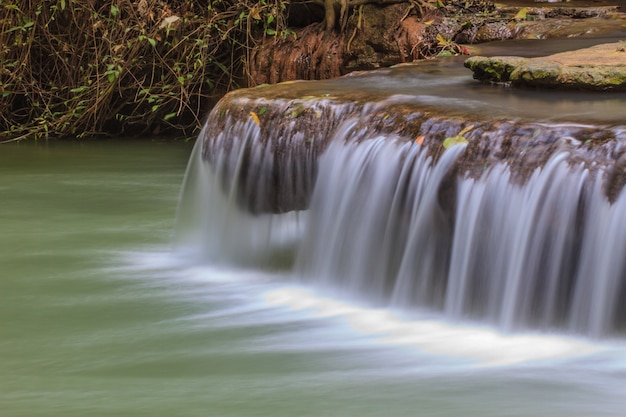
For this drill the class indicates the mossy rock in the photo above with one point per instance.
(495, 69)
(601, 67)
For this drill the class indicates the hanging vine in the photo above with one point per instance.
(91, 67)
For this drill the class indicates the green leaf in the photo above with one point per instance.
(454, 140)
(152, 42)
(262, 110)
(270, 32)
(111, 77)
(114, 10)
(288, 32)
(80, 89)
(169, 116)
(155, 108)
(62, 4)
(181, 80)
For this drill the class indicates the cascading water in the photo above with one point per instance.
(391, 225)
(211, 224)
(550, 253)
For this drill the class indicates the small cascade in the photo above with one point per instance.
(523, 227)
(387, 225)
(212, 224)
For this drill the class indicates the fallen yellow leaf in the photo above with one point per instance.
(254, 13)
(521, 15)
(256, 119)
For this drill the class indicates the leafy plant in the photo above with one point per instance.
(89, 67)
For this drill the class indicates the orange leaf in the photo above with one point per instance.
(419, 140)
(256, 119)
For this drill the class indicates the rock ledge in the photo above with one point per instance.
(601, 67)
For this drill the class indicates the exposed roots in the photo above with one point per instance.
(312, 54)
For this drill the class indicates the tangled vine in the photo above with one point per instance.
(91, 67)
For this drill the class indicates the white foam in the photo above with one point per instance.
(485, 347)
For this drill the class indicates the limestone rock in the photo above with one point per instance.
(601, 67)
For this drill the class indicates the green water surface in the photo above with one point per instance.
(98, 318)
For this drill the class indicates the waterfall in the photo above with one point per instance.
(391, 225)
(384, 226)
(212, 225)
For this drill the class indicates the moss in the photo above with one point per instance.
(496, 69)
(565, 70)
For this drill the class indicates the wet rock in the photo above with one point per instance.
(496, 69)
(494, 31)
(559, 11)
(281, 130)
(601, 67)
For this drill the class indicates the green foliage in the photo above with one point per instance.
(454, 140)
(458, 139)
(89, 67)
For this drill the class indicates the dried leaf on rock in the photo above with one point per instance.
(256, 119)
